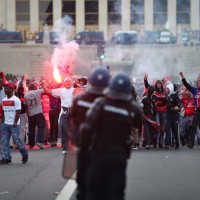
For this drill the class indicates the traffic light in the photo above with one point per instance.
(101, 52)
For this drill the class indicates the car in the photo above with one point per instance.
(11, 37)
(53, 37)
(185, 37)
(149, 37)
(166, 37)
(90, 38)
(124, 37)
(191, 37)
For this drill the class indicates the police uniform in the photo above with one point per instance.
(81, 103)
(106, 132)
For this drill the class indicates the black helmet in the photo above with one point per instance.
(119, 87)
(98, 80)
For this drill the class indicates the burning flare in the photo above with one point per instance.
(56, 74)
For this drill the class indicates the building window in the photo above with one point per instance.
(22, 12)
(69, 9)
(137, 12)
(160, 12)
(114, 11)
(91, 12)
(183, 11)
(46, 12)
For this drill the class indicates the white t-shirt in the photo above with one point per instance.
(66, 97)
(9, 107)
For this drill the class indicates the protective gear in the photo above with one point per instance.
(119, 87)
(81, 103)
(109, 145)
(98, 79)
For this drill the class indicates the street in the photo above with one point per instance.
(39, 179)
(152, 174)
(164, 174)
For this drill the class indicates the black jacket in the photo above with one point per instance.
(81, 103)
(174, 101)
(149, 107)
(109, 123)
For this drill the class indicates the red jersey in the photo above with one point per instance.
(188, 104)
(160, 99)
(45, 103)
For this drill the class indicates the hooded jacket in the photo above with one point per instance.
(149, 108)
(173, 101)
(160, 96)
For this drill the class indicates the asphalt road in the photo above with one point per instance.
(39, 179)
(151, 175)
(164, 174)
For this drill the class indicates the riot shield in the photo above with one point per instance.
(69, 164)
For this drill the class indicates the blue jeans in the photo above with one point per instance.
(172, 128)
(64, 127)
(1, 152)
(6, 132)
(161, 119)
(185, 122)
(194, 125)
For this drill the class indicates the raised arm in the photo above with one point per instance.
(44, 87)
(185, 83)
(146, 84)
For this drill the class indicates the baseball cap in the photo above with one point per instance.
(10, 84)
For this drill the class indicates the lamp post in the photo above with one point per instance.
(101, 53)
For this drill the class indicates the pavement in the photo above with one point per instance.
(151, 175)
(157, 174)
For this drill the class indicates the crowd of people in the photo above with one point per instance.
(104, 117)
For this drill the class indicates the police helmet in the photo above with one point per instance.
(98, 80)
(119, 87)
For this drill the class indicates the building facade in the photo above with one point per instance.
(105, 15)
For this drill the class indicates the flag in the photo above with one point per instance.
(153, 123)
(3, 77)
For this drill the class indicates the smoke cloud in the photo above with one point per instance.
(65, 54)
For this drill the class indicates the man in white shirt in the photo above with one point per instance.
(12, 108)
(66, 97)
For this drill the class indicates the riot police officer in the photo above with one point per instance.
(98, 80)
(106, 131)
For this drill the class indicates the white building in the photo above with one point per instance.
(106, 15)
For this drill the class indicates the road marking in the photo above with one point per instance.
(67, 192)
(5, 192)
